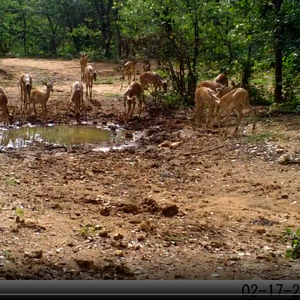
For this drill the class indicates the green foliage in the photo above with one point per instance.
(88, 230)
(171, 100)
(294, 252)
(11, 181)
(199, 37)
(258, 138)
(19, 212)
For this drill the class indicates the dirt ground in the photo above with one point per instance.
(184, 204)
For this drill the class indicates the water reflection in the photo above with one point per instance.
(61, 134)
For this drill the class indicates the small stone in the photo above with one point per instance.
(103, 233)
(84, 264)
(119, 253)
(118, 236)
(170, 210)
(145, 226)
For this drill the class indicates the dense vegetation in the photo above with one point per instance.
(257, 41)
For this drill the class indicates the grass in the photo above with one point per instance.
(19, 212)
(262, 137)
(107, 80)
(11, 181)
(112, 95)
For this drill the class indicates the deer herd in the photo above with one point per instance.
(215, 94)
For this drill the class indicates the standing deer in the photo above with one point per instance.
(26, 87)
(132, 93)
(83, 64)
(90, 75)
(77, 99)
(128, 69)
(41, 97)
(8, 118)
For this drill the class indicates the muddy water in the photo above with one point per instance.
(63, 135)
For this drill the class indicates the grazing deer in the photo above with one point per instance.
(41, 97)
(152, 78)
(83, 64)
(128, 69)
(203, 95)
(26, 87)
(238, 100)
(8, 118)
(77, 99)
(132, 93)
(90, 75)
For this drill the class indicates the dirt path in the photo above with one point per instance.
(207, 209)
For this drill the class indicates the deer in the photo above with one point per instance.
(152, 78)
(8, 118)
(222, 78)
(128, 69)
(202, 97)
(83, 63)
(238, 100)
(38, 96)
(132, 93)
(76, 99)
(26, 87)
(90, 75)
(146, 65)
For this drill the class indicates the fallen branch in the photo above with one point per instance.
(203, 151)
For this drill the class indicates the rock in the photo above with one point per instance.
(103, 233)
(261, 231)
(284, 159)
(170, 210)
(118, 236)
(119, 253)
(175, 145)
(34, 254)
(141, 238)
(165, 144)
(145, 225)
(84, 264)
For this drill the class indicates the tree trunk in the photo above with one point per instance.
(278, 54)
(118, 33)
(104, 15)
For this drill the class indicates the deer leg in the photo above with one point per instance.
(69, 105)
(239, 111)
(91, 90)
(133, 107)
(199, 114)
(125, 112)
(34, 108)
(253, 116)
(129, 108)
(86, 90)
(210, 110)
(44, 112)
(83, 105)
(140, 106)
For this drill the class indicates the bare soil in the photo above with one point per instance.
(203, 208)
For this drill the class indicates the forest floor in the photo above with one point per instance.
(203, 208)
